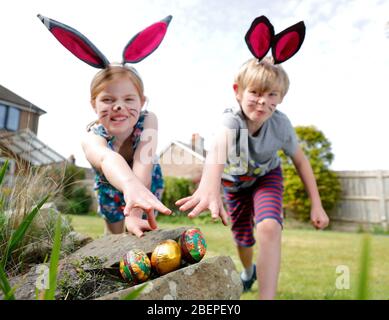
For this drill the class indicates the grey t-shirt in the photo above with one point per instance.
(250, 157)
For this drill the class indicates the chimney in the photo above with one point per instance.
(197, 144)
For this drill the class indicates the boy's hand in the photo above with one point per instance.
(202, 200)
(319, 218)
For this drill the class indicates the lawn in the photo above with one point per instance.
(309, 258)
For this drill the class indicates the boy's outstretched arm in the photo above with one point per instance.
(207, 195)
(319, 218)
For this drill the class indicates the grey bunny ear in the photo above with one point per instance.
(76, 43)
(145, 42)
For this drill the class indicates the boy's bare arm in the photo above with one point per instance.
(207, 196)
(319, 217)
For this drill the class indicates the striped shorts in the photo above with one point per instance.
(249, 206)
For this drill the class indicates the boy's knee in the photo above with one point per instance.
(268, 229)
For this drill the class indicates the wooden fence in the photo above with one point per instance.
(365, 197)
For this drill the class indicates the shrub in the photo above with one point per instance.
(318, 151)
(175, 189)
(74, 198)
(31, 184)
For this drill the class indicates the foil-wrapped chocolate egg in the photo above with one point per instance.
(135, 266)
(193, 245)
(166, 257)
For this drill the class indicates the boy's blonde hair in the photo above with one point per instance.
(111, 73)
(262, 76)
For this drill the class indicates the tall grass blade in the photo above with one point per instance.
(363, 293)
(134, 294)
(54, 258)
(5, 286)
(3, 171)
(21, 230)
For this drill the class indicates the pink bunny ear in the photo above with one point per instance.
(145, 42)
(288, 42)
(76, 43)
(260, 36)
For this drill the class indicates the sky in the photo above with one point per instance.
(338, 78)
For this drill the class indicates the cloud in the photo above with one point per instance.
(338, 78)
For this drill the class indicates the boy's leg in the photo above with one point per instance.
(267, 199)
(269, 258)
(246, 256)
(240, 210)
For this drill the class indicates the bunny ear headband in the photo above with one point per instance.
(260, 38)
(139, 47)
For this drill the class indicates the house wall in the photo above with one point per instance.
(177, 162)
(29, 120)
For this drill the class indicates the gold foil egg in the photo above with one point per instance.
(166, 257)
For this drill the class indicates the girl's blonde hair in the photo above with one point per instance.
(111, 73)
(262, 76)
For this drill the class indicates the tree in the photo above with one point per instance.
(318, 151)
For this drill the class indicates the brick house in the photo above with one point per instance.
(179, 159)
(19, 120)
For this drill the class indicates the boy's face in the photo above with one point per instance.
(118, 106)
(258, 106)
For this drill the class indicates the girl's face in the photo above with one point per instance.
(118, 107)
(257, 106)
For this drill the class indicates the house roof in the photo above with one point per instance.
(185, 147)
(26, 145)
(10, 97)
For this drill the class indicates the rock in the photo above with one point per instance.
(36, 252)
(75, 241)
(211, 279)
(93, 272)
(112, 247)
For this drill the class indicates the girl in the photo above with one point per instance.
(121, 144)
(252, 180)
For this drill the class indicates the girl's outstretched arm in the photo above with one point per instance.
(319, 218)
(142, 167)
(207, 195)
(120, 175)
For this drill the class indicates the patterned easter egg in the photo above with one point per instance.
(166, 257)
(135, 266)
(193, 245)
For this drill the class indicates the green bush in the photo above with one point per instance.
(30, 185)
(318, 151)
(175, 189)
(74, 198)
(79, 201)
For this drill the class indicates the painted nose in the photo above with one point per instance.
(260, 100)
(117, 108)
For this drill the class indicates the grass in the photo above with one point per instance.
(309, 258)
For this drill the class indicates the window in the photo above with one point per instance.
(3, 115)
(9, 118)
(13, 119)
